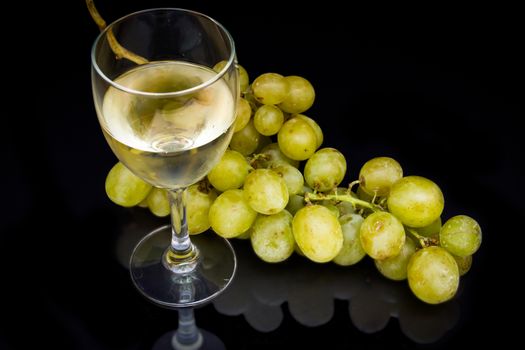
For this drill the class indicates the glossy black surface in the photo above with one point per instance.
(435, 88)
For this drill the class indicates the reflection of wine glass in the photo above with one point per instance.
(188, 336)
(169, 120)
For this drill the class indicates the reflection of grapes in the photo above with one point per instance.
(261, 290)
(425, 323)
(262, 184)
(369, 312)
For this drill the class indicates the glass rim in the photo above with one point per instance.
(193, 89)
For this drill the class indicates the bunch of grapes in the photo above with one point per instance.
(257, 191)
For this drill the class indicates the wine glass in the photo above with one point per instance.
(168, 117)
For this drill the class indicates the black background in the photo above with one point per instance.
(437, 88)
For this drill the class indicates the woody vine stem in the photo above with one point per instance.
(120, 52)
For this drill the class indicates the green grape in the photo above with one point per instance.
(395, 268)
(199, 199)
(352, 251)
(433, 275)
(317, 129)
(464, 263)
(379, 174)
(219, 66)
(416, 201)
(230, 172)
(263, 142)
(265, 191)
(300, 97)
(244, 80)
(158, 202)
(307, 189)
(231, 215)
(333, 209)
(431, 230)
(343, 206)
(144, 203)
(246, 141)
(268, 120)
(292, 177)
(245, 235)
(460, 235)
(382, 235)
(297, 139)
(272, 238)
(244, 112)
(325, 169)
(295, 203)
(270, 88)
(274, 156)
(125, 188)
(317, 233)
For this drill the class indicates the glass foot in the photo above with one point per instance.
(214, 272)
(206, 341)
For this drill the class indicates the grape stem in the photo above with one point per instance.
(352, 184)
(423, 241)
(120, 52)
(342, 197)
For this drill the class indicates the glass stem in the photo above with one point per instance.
(180, 238)
(181, 256)
(187, 335)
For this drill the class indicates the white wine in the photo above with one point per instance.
(170, 142)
